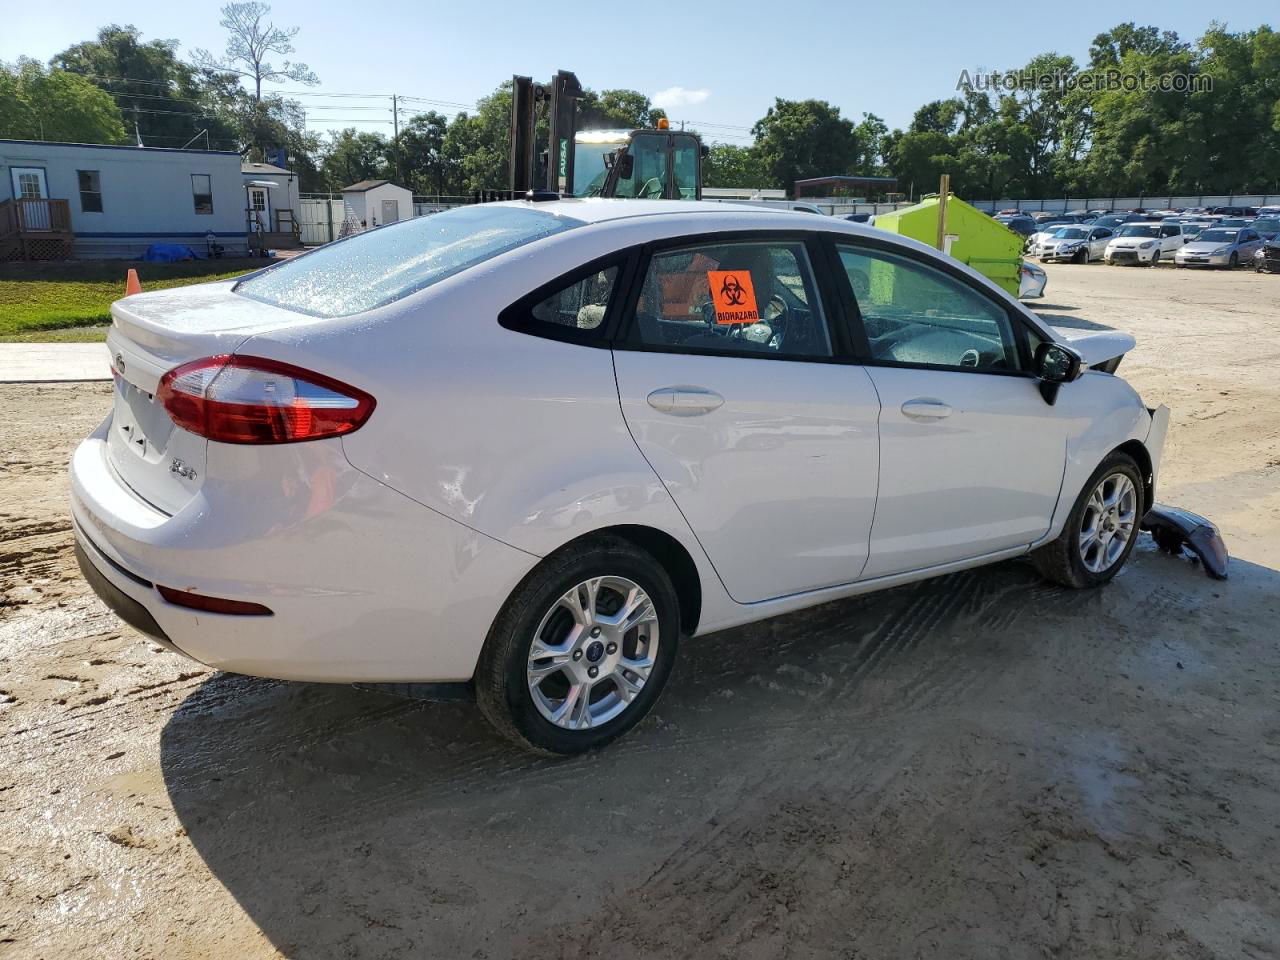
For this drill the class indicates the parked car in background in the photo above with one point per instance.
(1193, 228)
(1031, 280)
(1267, 259)
(276, 493)
(1113, 220)
(1234, 211)
(1220, 246)
(1020, 224)
(1078, 243)
(858, 217)
(1145, 243)
(1268, 227)
(1235, 221)
(1045, 228)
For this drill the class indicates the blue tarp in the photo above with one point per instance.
(168, 253)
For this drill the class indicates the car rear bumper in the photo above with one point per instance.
(363, 583)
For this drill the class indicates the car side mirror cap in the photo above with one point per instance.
(1055, 364)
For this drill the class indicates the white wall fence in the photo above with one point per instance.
(1128, 203)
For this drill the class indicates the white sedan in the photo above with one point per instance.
(531, 445)
(1077, 244)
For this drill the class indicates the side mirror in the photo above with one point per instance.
(626, 165)
(1055, 364)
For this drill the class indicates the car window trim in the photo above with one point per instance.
(518, 315)
(1021, 329)
(841, 349)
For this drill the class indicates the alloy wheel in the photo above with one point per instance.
(1110, 519)
(593, 652)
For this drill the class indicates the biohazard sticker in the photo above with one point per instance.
(733, 296)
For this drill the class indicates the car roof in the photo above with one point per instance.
(601, 209)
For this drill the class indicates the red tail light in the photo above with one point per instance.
(234, 399)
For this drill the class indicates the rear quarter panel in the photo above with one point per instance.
(518, 437)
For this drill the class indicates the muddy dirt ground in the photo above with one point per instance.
(977, 766)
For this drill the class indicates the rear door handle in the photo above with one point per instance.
(926, 408)
(685, 401)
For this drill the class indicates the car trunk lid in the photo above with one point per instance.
(152, 333)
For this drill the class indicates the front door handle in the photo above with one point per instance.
(685, 401)
(926, 408)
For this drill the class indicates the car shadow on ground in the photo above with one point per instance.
(348, 822)
(1064, 320)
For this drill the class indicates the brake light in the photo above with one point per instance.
(235, 399)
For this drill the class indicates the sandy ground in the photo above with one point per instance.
(977, 766)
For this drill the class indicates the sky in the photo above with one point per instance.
(716, 66)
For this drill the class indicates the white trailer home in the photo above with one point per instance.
(89, 200)
(377, 202)
(272, 203)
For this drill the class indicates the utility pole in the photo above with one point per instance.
(395, 141)
(944, 189)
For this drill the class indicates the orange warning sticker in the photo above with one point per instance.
(733, 296)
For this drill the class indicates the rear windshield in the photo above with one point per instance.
(375, 268)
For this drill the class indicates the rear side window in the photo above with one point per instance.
(371, 269)
(579, 306)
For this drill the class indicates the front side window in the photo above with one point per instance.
(371, 269)
(202, 192)
(648, 169)
(918, 315)
(90, 191)
(750, 298)
(578, 306)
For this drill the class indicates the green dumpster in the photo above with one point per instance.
(986, 246)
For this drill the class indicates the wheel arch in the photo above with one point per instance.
(669, 552)
(1138, 451)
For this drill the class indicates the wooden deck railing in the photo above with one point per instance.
(42, 216)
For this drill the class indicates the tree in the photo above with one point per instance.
(628, 109)
(160, 97)
(797, 139)
(36, 104)
(426, 169)
(252, 40)
(350, 157)
(729, 165)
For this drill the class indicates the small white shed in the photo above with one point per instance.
(375, 202)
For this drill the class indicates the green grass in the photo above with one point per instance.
(72, 301)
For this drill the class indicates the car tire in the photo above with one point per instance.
(1155, 259)
(1233, 261)
(1074, 561)
(545, 714)
(1081, 257)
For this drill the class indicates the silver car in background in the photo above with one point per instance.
(1079, 244)
(1220, 247)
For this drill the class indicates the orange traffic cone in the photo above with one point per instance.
(131, 284)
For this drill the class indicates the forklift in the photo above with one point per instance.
(657, 164)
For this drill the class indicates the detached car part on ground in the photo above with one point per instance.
(532, 445)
